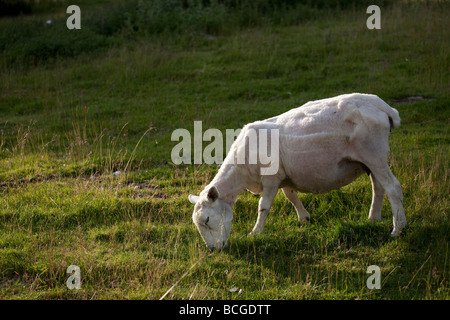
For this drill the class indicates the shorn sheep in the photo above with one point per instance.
(322, 145)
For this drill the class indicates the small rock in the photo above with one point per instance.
(117, 173)
(210, 37)
(411, 99)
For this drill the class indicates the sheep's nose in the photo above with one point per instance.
(218, 247)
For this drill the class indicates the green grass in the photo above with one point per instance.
(107, 98)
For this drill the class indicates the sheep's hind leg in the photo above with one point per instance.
(377, 199)
(394, 191)
(269, 193)
(291, 195)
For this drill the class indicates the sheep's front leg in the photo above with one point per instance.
(269, 193)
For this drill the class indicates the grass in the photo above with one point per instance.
(107, 99)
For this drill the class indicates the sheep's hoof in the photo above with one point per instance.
(375, 219)
(305, 218)
(395, 233)
(254, 233)
(399, 226)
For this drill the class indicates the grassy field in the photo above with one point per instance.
(78, 106)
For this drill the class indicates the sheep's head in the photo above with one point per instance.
(212, 216)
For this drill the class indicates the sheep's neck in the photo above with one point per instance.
(228, 182)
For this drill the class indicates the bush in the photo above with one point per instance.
(180, 16)
(14, 8)
(32, 40)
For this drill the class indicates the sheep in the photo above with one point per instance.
(322, 145)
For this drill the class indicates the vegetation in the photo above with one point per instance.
(86, 176)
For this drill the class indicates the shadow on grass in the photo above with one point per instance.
(424, 258)
(417, 260)
(309, 245)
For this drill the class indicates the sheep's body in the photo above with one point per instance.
(323, 145)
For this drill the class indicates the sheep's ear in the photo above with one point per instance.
(193, 199)
(213, 193)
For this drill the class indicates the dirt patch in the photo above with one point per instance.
(148, 189)
(411, 99)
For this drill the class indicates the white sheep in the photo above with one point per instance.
(322, 145)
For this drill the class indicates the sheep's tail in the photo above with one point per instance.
(394, 117)
(364, 103)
